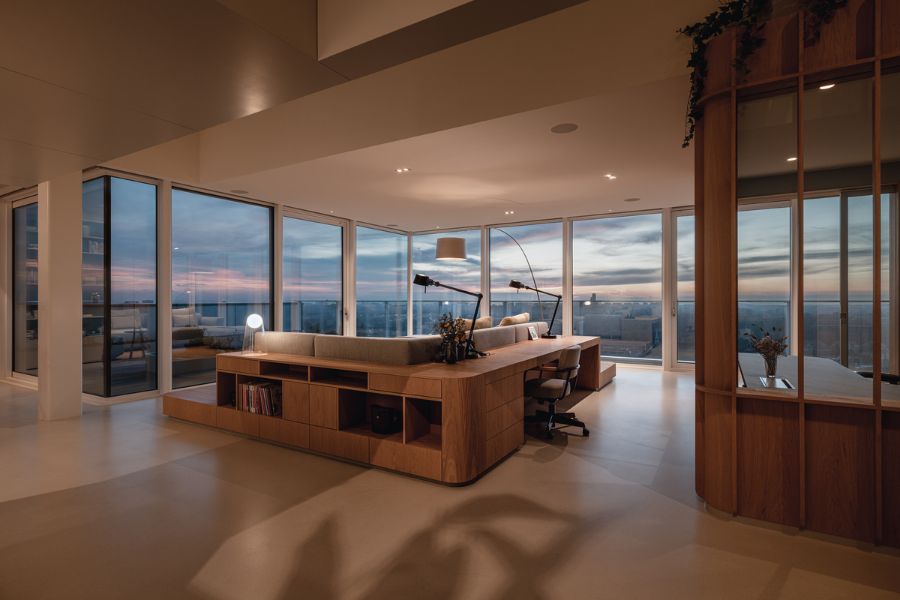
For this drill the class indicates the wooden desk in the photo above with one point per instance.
(824, 377)
(458, 420)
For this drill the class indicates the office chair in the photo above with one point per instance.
(885, 377)
(555, 382)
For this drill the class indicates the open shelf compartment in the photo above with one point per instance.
(339, 377)
(355, 412)
(281, 370)
(422, 421)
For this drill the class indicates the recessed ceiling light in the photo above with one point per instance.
(827, 86)
(632, 199)
(509, 212)
(241, 192)
(564, 128)
(792, 159)
(610, 176)
(401, 170)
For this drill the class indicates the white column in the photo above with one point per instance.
(164, 286)
(350, 278)
(59, 297)
(568, 308)
(669, 285)
(277, 266)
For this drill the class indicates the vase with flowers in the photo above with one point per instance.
(770, 346)
(453, 334)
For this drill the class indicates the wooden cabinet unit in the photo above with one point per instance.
(456, 421)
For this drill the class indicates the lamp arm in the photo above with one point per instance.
(456, 289)
(528, 262)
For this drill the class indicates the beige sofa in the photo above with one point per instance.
(388, 351)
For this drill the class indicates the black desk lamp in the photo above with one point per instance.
(521, 286)
(425, 281)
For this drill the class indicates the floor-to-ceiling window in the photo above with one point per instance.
(533, 255)
(312, 276)
(428, 306)
(221, 274)
(685, 333)
(617, 284)
(25, 289)
(119, 328)
(381, 282)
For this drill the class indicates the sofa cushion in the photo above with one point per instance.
(481, 323)
(515, 319)
(488, 339)
(386, 351)
(286, 342)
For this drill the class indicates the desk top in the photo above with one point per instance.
(530, 353)
(823, 377)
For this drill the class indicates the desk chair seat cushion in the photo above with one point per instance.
(546, 389)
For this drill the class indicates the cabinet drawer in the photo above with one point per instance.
(498, 420)
(416, 460)
(284, 432)
(295, 401)
(238, 421)
(339, 443)
(323, 406)
(235, 364)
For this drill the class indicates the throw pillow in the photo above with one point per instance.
(481, 323)
(515, 319)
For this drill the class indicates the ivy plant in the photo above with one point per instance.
(748, 17)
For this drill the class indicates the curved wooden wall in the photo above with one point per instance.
(829, 467)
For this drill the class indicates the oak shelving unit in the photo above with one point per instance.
(457, 421)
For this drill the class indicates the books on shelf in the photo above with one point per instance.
(260, 397)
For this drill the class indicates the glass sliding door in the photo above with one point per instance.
(684, 288)
(532, 254)
(221, 274)
(119, 327)
(464, 274)
(382, 281)
(617, 284)
(25, 289)
(312, 276)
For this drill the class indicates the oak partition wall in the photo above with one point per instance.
(818, 459)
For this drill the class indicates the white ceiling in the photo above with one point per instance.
(474, 174)
(84, 82)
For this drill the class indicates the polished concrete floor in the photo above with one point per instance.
(124, 503)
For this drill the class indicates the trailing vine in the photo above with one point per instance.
(748, 17)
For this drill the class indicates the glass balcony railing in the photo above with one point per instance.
(631, 330)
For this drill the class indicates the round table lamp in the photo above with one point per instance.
(451, 248)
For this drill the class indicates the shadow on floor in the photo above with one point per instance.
(427, 566)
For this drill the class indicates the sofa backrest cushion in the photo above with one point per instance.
(386, 351)
(495, 337)
(522, 330)
(286, 342)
